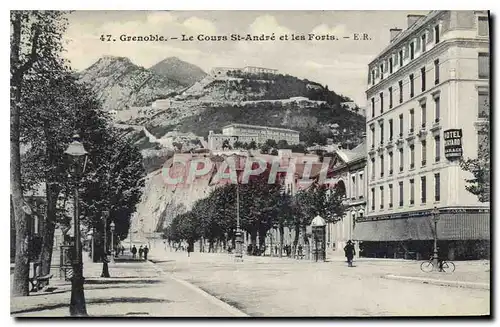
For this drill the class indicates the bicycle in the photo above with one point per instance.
(443, 266)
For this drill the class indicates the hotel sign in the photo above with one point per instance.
(453, 144)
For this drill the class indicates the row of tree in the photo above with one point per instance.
(48, 106)
(262, 206)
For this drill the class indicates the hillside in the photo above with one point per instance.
(120, 84)
(264, 99)
(182, 72)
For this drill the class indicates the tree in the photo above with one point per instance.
(252, 145)
(480, 168)
(35, 44)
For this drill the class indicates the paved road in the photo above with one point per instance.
(273, 287)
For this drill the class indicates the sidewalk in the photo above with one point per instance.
(136, 288)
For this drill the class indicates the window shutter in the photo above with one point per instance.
(405, 52)
(417, 44)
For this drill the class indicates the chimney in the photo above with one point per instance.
(412, 19)
(394, 32)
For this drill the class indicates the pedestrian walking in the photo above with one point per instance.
(349, 252)
(146, 251)
(134, 251)
(123, 249)
(141, 250)
(300, 251)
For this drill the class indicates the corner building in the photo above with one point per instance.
(428, 97)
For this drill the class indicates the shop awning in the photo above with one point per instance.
(451, 226)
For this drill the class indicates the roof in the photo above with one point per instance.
(261, 127)
(353, 155)
(401, 36)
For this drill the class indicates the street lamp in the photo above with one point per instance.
(78, 154)
(239, 235)
(112, 225)
(435, 218)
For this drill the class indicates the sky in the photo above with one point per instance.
(340, 64)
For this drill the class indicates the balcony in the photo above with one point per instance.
(422, 134)
(424, 162)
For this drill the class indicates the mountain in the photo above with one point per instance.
(120, 84)
(177, 70)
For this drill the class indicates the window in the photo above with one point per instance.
(382, 166)
(381, 197)
(437, 108)
(373, 107)
(400, 91)
(373, 168)
(423, 189)
(412, 156)
(390, 65)
(401, 58)
(424, 42)
(483, 105)
(382, 71)
(373, 77)
(401, 125)
(353, 188)
(437, 143)
(391, 196)
(412, 121)
(361, 186)
(381, 102)
(373, 198)
(422, 75)
(436, 33)
(482, 26)
(424, 113)
(390, 97)
(412, 86)
(381, 132)
(391, 163)
(401, 159)
(436, 72)
(484, 65)
(412, 191)
(437, 187)
(390, 129)
(372, 128)
(424, 153)
(412, 51)
(401, 194)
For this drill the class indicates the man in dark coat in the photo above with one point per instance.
(134, 251)
(146, 251)
(349, 252)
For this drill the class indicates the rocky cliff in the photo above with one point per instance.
(120, 84)
(182, 72)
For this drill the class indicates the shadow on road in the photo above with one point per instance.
(95, 301)
(116, 281)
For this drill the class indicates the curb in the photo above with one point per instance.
(229, 308)
(451, 283)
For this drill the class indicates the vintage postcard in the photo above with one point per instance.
(250, 163)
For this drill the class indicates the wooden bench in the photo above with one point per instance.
(35, 282)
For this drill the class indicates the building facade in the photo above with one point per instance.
(263, 133)
(220, 141)
(428, 96)
(349, 174)
(257, 70)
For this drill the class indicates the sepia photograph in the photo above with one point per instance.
(250, 164)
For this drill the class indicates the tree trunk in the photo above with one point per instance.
(282, 236)
(296, 239)
(21, 270)
(52, 194)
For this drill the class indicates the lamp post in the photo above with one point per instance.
(112, 225)
(239, 242)
(77, 305)
(435, 257)
(105, 268)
